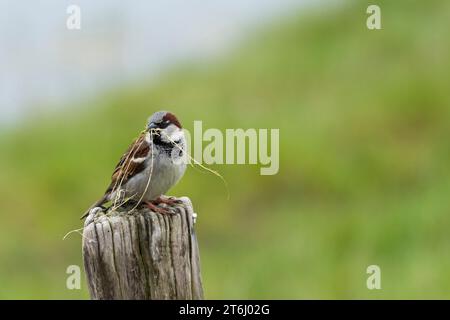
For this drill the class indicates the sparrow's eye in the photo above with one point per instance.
(164, 124)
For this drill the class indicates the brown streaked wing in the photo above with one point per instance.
(127, 168)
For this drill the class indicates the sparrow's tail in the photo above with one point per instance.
(96, 204)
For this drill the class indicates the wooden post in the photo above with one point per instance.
(142, 255)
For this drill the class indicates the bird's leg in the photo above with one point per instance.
(171, 201)
(153, 207)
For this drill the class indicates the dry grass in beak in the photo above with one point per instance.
(200, 165)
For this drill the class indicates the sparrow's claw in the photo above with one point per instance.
(157, 209)
(171, 201)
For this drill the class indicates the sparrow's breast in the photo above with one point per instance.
(161, 173)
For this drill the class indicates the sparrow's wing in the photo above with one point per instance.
(131, 163)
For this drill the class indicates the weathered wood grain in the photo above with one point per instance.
(142, 255)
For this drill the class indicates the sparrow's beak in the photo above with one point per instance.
(151, 126)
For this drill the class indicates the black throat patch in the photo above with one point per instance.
(166, 147)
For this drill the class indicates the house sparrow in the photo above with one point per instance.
(153, 164)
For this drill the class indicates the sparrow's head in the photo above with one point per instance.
(166, 125)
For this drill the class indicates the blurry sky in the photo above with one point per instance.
(43, 64)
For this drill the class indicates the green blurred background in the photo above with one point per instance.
(364, 175)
